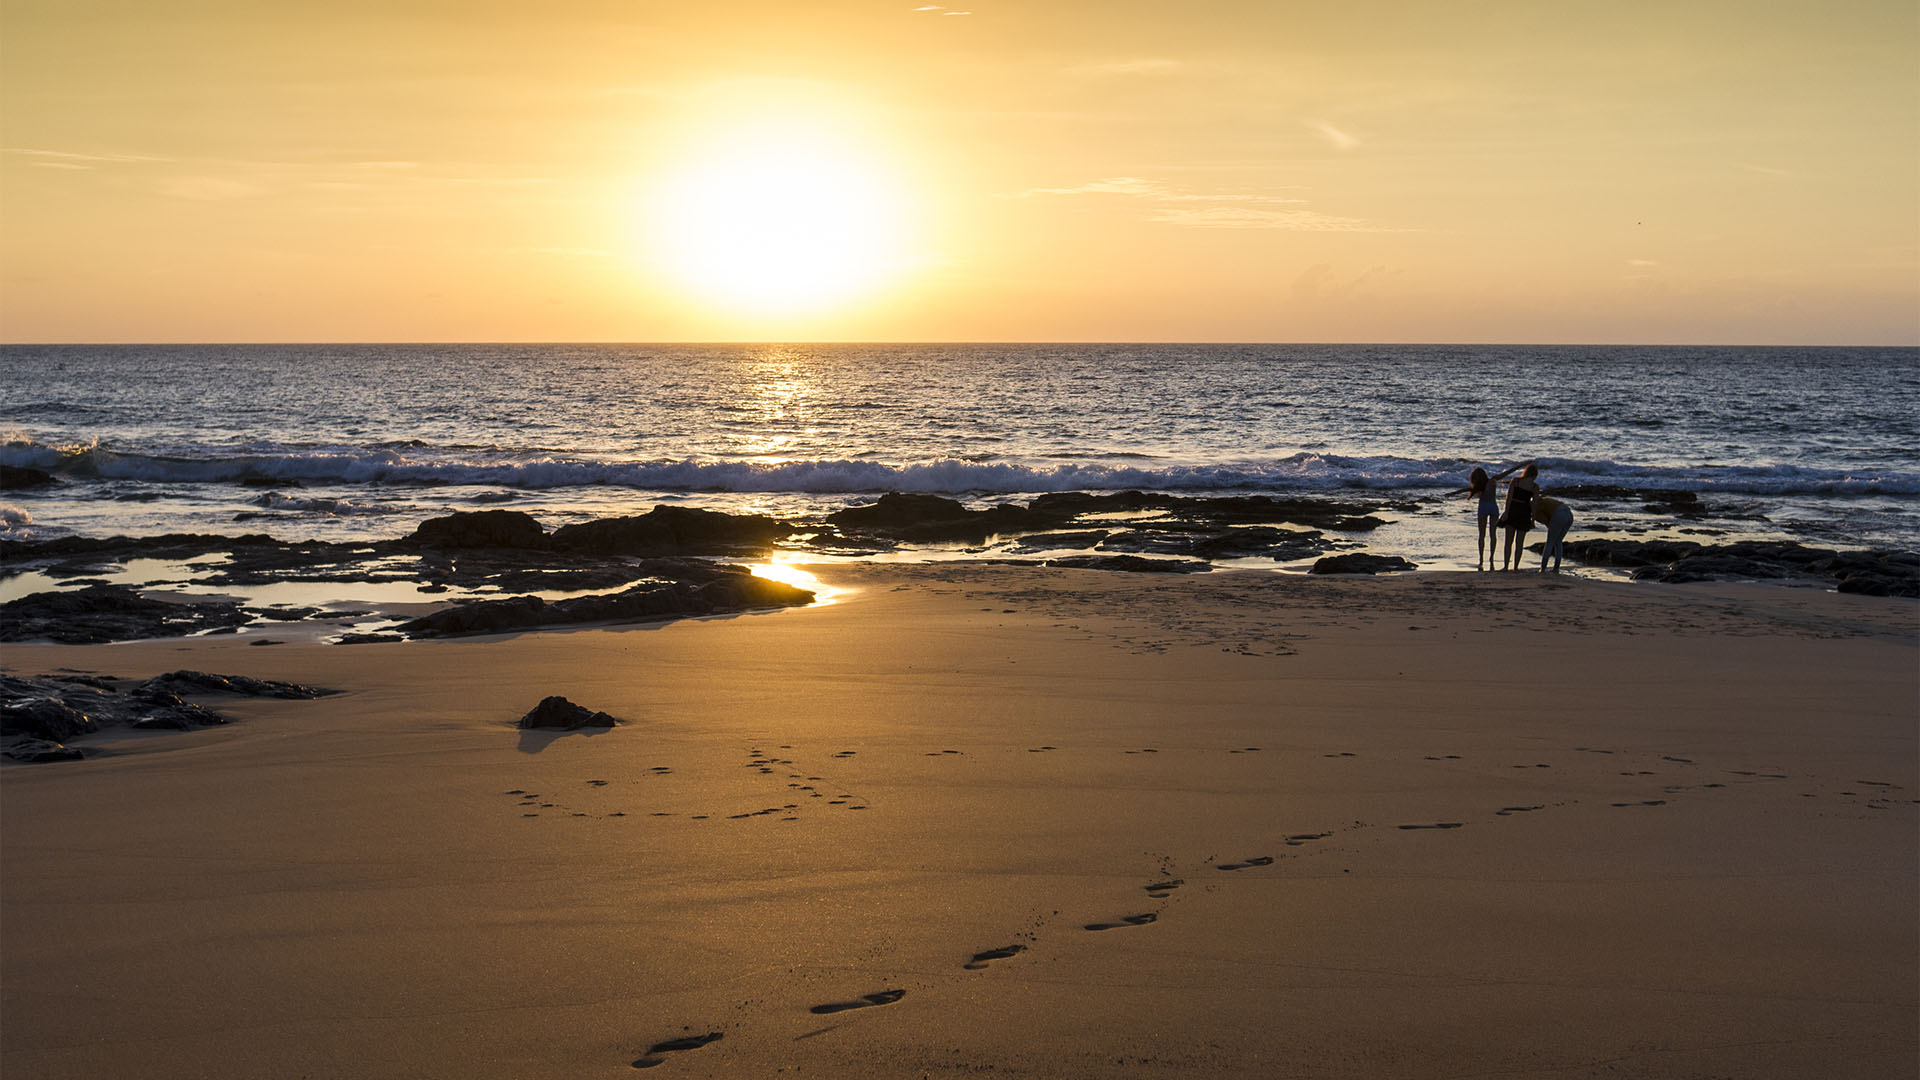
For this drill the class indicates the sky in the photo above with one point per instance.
(1713, 172)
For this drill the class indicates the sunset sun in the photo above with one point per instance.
(776, 224)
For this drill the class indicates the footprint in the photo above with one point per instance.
(1125, 920)
(1509, 810)
(1258, 860)
(1436, 825)
(671, 1046)
(1161, 888)
(981, 959)
(1301, 838)
(884, 997)
(1343, 753)
(1644, 802)
(1677, 760)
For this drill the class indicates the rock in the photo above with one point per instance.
(108, 613)
(199, 682)
(44, 717)
(1358, 563)
(480, 529)
(673, 530)
(558, 714)
(482, 617)
(1870, 573)
(1135, 564)
(930, 518)
(57, 709)
(700, 588)
(38, 751)
(15, 478)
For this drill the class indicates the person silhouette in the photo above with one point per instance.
(1518, 517)
(1558, 518)
(1486, 513)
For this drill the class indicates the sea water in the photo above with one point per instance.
(362, 442)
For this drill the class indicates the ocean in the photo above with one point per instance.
(362, 442)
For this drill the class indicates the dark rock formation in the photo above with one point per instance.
(558, 714)
(930, 518)
(1132, 564)
(38, 715)
(109, 613)
(673, 530)
(1872, 573)
(480, 529)
(36, 751)
(694, 588)
(42, 715)
(15, 478)
(199, 682)
(1358, 563)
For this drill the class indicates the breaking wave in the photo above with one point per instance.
(418, 464)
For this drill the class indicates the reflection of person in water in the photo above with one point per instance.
(1558, 518)
(1519, 516)
(1486, 513)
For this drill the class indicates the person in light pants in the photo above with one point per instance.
(1558, 518)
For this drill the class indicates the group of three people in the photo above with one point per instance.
(1526, 504)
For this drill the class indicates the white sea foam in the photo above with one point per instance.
(1298, 472)
(12, 517)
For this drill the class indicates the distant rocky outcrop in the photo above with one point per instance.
(480, 529)
(16, 478)
(39, 715)
(556, 713)
(1871, 573)
(673, 530)
(1360, 563)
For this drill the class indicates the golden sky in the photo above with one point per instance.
(1710, 171)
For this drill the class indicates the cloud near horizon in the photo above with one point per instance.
(1230, 210)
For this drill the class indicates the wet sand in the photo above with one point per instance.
(991, 820)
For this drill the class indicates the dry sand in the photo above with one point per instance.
(1482, 824)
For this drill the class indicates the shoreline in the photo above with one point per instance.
(498, 570)
(1687, 845)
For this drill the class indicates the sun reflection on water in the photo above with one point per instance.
(782, 570)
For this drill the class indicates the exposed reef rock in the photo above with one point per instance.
(1136, 564)
(16, 478)
(1134, 521)
(480, 529)
(109, 613)
(1358, 563)
(684, 588)
(1872, 573)
(38, 716)
(556, 713)
(674, 530)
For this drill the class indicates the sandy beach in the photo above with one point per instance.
(992, 820)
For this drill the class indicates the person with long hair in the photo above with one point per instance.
(1518, 517)
(1480, 487)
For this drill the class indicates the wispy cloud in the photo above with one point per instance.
(1142, 66)
(937, 9)
(68, 159)
(1170, 205)
(1341, 140)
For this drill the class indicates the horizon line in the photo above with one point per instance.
(979, 342)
